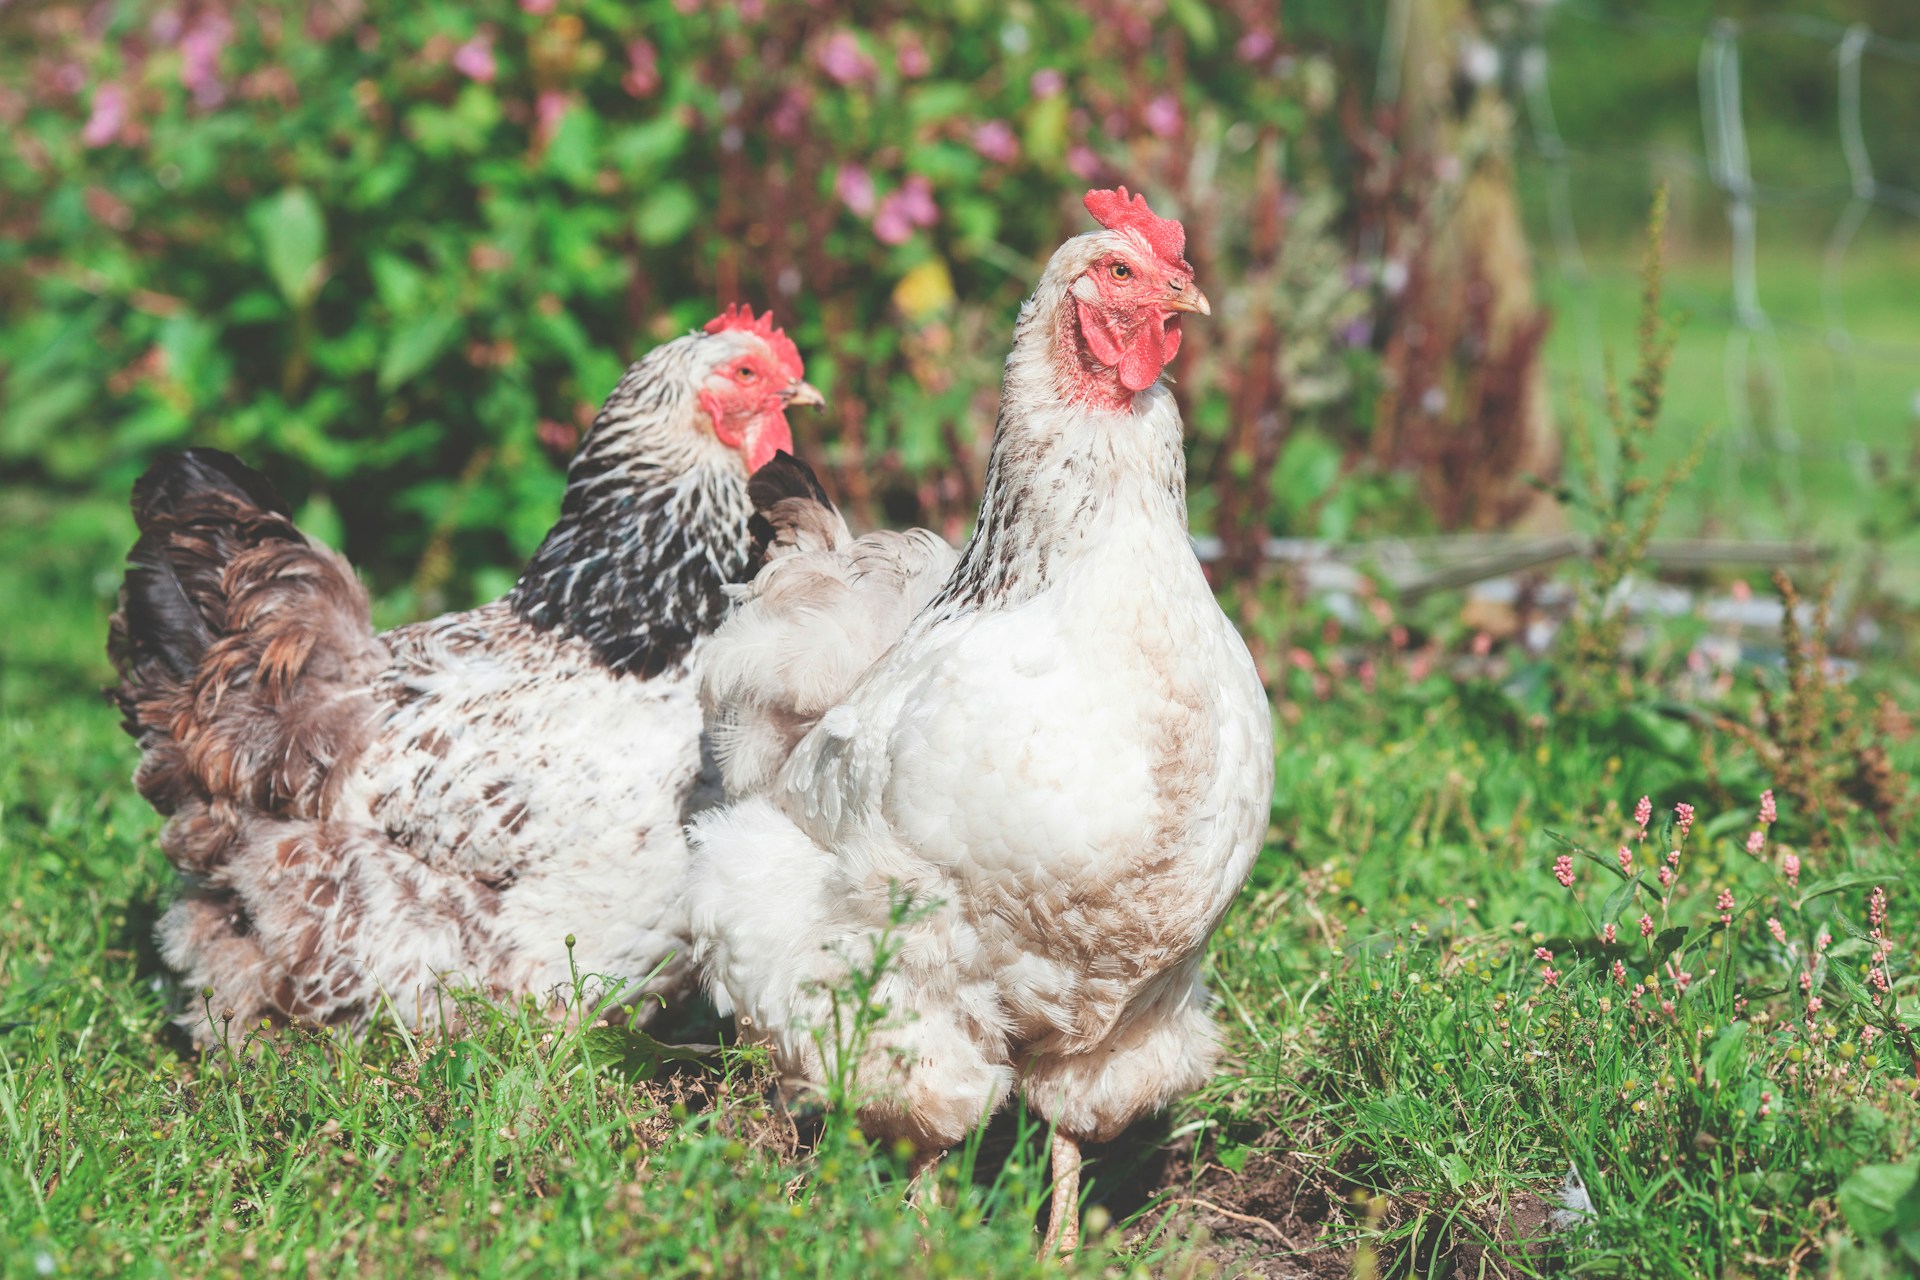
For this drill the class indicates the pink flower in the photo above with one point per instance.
(1162, 116)
(915, 196)
(1626, 859)
(1619, 974)
(1666, 877)
(1768, 813)
(1868, 1035)
(854, 186)
(890, 225)
(1877, 907)
(841, 57)
(474, 59)
(548, 110)
(1683, 816)
(643, 68)
(1791, 866)
(1821, 943)
(109, 116)
(1563, 870)
(1550, 976)
(1725, 901)
(1046, 82)
(1608, 934)
(1778, 930)
(1254, 45)
(536, 6)
(1542, 954)
(1082, 163)
(994, 140)
(1814, 1003)
(788, 119)
(1646, 926)
(200, 50)
(912, 61)
(1643, 811)
(1673, 859)
(1756, 842)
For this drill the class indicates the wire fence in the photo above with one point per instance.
(1759, 426)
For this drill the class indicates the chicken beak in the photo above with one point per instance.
(1186, 296)
(799, 392)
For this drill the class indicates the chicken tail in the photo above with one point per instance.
(791, 513)
(238, 643)
(821, 607)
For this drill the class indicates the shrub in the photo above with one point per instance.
(391, 253)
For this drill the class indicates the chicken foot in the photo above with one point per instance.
(1063, 1219)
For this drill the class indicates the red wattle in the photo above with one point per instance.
(769, 434)
(1141, 365)
(1103, 340)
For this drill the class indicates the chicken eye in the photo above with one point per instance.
(1120, 271)
(746, 373)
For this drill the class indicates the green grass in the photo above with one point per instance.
(1403, 1088)
(1854, 412)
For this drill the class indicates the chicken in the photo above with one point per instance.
(359, 817)
(1040, 794)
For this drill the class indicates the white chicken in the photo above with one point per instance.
(1058, 751)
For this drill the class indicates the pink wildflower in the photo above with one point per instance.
(1725, 901)
(1814, 1003)
(1666, 877)
(1550, 976)
(1643, 811)
(1162, 116)
(536, 7)
(1666, 1007)
(1683, 819)
(1626, 859)
(1046, 82)
(643, 68)
(200, 49)
(841, 57)
(1673, 859)
(1821, 943)
(1646, 926)
(1806, 981)
(994, 140)
(1619, 974)
(1768, 813)
(1877, 907)
(549, 108)
(1542, 954)
(474, 59)
(1756, 842)
(108, 118)
(1082, 163)
(1608, 934)
(1778, 930)
(1254, 45)
(854, 186)
(912, 61)
(1868, 1035)
(1563, 870)
(1791, 866)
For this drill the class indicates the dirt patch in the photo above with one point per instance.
(1269, 1219)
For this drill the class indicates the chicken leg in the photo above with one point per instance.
(1063, 1220)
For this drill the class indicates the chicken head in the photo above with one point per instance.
(756, 374)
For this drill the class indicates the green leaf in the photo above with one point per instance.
(396, 282)
(1668, 941)
(1869, 1198)
(1620, 898)
(641, 152)
(1046, 130)
(666, 214)
(1195, 18)
(293, 239)
(1724, 1056)
(415, 344)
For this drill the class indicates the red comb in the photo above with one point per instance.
(1117, 211)
(741, 317)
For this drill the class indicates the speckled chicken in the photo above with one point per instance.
(1056, 750)
(360, 817)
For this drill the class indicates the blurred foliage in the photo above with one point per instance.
(396, 254)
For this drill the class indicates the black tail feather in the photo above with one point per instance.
(782, 479)
(195, 510)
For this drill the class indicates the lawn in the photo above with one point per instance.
(1429, 1037)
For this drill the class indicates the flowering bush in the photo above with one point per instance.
(397, 255)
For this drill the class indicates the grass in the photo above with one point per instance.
(1852, 413)
(1406, 1091)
